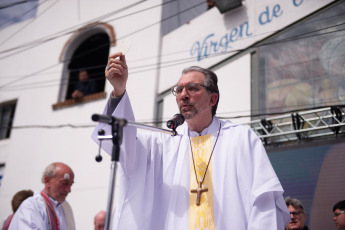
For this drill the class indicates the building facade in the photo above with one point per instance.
(272, 58)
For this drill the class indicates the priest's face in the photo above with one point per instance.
(298, 218)
(59, 186)
(194, 100)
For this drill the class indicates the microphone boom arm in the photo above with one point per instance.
(110, 120)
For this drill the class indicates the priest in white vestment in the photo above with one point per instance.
(213, 175)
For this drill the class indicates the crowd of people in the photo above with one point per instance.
(299, 218)
(295, 207)
(211, 171)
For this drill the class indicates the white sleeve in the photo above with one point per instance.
(268, 207)
(123, 110)
(29, 216)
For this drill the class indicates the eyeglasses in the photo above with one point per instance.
(191, 88)
(296, 213)
(338, 213)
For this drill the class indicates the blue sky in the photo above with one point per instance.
(14, 11)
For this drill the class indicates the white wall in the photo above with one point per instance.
(235, 89)
(29, 150)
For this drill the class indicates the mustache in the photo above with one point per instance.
(186, 104)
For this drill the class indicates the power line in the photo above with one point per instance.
(41, 41)
(26, 76)
(72, 29)
(29, 46)
(74, 126)
(77, 28)
(306, 35)
(50, 126)
(153, 66)
(21, 16)
(101, 46)
(253, 115)
(273, 42)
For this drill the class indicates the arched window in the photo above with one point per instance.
(86, 51)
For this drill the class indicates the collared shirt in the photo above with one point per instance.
(32, 214)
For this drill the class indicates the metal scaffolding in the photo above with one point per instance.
(306, 125)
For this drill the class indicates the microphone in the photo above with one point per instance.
(109, 120)
(102, 118)
(177, 120)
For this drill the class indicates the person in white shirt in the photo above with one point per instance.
(213, 175)
(48, 209)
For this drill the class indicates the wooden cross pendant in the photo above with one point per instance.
(199, 190)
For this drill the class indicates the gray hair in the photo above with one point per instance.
(294, 202)
(49, 171)
(211, 82)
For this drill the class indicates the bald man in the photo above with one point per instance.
(48, 209)
(100, 220)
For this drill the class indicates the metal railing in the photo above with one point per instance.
(309, 124)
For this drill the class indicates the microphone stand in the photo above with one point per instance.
(116, 136)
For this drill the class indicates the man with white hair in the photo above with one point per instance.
(49, 208)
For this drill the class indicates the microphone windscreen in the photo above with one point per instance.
(177, 120)
(180, 118)
(95, 117)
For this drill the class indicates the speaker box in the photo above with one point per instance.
(227, 5)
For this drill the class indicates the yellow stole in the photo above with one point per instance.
(201, 217)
